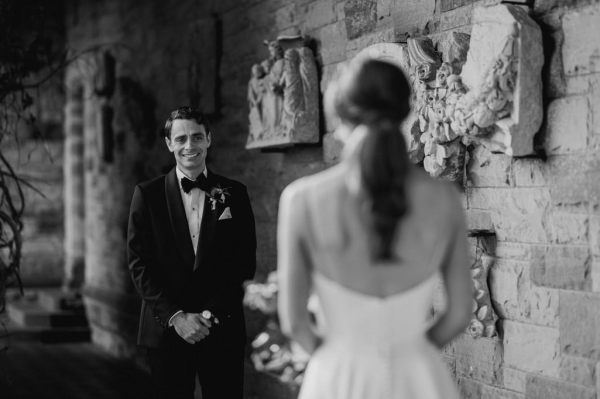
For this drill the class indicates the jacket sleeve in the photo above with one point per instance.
(142, 264)
(243, 263)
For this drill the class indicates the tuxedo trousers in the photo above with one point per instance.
(217, 361)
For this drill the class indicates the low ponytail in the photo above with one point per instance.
(376, 94)
(383, 174)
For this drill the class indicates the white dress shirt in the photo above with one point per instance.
(193, 202)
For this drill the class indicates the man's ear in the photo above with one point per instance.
(209, 138)
(168, 143)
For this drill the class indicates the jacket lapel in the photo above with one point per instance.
(178, 219)
(209, 222)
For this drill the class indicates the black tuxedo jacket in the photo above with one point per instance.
(165, 271)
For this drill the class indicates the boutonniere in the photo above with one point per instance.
(218, 194)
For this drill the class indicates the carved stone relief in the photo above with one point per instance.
(483, 322)
(283, 97)
(482, 102)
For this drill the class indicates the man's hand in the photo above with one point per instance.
(192, 327)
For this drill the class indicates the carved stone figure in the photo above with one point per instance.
(293, 92)
(273, 96)
(434, 103)
(283, 101)
(256, 92)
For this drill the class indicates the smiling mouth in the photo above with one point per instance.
(191, 155)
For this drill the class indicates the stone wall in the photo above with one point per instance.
(544, 209)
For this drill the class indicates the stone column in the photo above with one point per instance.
(74, 191)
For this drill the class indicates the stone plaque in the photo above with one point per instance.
(503, 70)
(484, 89)
(283, 96)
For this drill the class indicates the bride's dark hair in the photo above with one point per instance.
(376, 94)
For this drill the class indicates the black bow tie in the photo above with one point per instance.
(201, 182)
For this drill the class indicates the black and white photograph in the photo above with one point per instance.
(299, 199)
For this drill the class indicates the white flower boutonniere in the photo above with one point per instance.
(218, 194)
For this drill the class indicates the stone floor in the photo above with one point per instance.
(31, 370)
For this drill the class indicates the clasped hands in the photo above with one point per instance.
(192, 327)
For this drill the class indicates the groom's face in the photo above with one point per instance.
(189, 142)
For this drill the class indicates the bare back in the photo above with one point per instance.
(336, 234)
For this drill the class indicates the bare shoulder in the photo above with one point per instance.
(320, 184)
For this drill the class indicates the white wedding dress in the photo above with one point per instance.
(375, 348)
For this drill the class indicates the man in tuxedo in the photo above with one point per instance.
(191, 243)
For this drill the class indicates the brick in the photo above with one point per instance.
(384, 35)
(528, 172)
(595, 272)
(384, 9)
(517, 214)
(285, 17)
(318, 13)
(447, 5)
(566, 267)
(578, 84)
(478, 220)
(455, 18)
(531, 348)
(580, 324)
(514, 379)
(580, 54)
(413, 16)
(329, 73)
(578, 370)
(518, 251)
(361, 17)
(450, 363)
(488, 170)
(332, 39)
(567, 128)
(574, 181)
(469, 389)
(332, 149)
(498, 393)
(516, 298)
(569, 228)
(479, 359)
(595, 105)
(540, 387)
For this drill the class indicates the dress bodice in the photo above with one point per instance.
(378, 325)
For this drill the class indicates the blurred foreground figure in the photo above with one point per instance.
(370, 236)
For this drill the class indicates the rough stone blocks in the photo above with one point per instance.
(532, 348)
(581, 53)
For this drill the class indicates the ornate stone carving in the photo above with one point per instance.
(483, 322)
(283, 96)
(483, 103)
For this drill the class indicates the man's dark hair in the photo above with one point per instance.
(186, 113)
